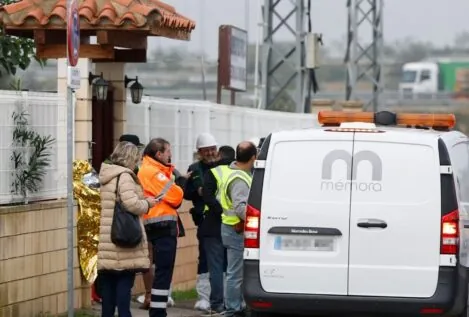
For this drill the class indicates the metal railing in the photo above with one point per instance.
(46, 116)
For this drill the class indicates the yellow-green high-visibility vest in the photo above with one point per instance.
(218, 172)
(229, 217)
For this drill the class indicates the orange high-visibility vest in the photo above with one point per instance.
(153, 177)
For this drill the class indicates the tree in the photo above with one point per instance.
(461, 40)
(15, 52)
(408, 50)
(171, 58)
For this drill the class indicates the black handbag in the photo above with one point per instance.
(126, 231)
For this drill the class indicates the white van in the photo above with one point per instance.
(360, 217)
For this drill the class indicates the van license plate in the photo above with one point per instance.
(303, 244)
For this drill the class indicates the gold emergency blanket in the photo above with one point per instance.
(89, 211)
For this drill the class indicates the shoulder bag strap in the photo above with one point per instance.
(117, 186)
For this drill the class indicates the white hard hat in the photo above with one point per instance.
(205, 140)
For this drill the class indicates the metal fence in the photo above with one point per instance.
(180, 121)
(47, 116)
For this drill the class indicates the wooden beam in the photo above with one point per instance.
(45, 51)
(49, 37)
(128, 39)
(125, 56)
(56, 37)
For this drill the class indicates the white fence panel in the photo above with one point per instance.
(45, 117)
(138, 120)
(181, 121)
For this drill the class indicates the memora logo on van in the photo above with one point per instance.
(349, 181)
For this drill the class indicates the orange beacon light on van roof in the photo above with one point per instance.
(387, 118)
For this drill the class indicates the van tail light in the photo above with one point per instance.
(261, 304)
(251, 228)
(450, 233)
(431, 311)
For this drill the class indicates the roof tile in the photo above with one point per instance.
(97, 13)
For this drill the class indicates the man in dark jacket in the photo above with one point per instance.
(206, 146)
(211, 232)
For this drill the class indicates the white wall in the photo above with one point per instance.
(181, 121)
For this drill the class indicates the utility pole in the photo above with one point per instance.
(364, 58)
(286, 57)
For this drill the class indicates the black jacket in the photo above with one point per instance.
(211, 225)
(196, 180)
(181, 182)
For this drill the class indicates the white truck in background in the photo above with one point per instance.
(427, 78)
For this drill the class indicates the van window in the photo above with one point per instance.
(460, 163)
(408, 76)
(425, 75)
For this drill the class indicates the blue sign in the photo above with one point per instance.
(76, 34)
(73, 34)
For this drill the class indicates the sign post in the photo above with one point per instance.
(232, 60)
(73, 82)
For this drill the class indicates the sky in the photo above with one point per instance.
(426, 20)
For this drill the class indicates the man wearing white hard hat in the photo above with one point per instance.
(206, 147)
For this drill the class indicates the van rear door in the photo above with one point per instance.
(395, 215)
(304, 225)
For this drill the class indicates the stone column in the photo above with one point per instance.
(83, 117)
(114, 73)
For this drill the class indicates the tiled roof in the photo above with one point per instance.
(148, 15)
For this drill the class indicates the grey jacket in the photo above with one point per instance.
(238, 191)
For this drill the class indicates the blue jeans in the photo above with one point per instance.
(234, 243)
(116, 287)
(216, 260)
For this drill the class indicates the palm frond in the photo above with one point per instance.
(30, 157)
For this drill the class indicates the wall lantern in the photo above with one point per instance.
(100, 86)
(136, 89)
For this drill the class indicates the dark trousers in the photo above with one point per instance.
(202, 266)
(216, 260)
(164, 256)
(116, 287)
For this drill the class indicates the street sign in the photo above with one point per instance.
(73, 34)
(73, 77)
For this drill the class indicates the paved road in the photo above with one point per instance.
(172, 312)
